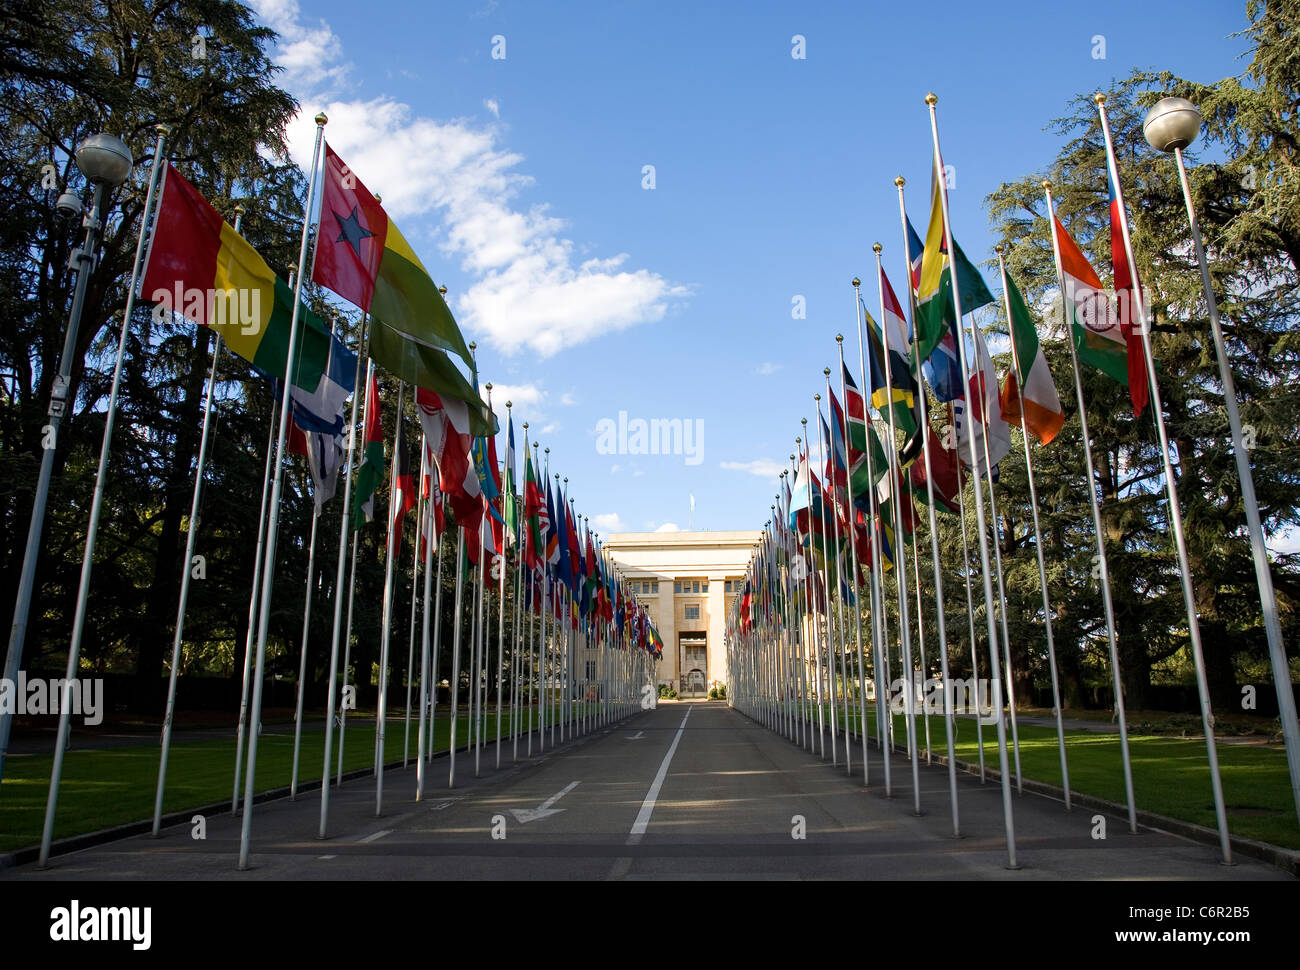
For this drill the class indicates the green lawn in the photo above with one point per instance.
(1170, 775)
(112, 786)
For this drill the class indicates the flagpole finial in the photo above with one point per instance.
(826, 371)
(441, 289)
(240, 210)
(525, 425)
(856, 282)
(876, 248)
(507, 405)
(931, 99)
(817, 397)
(321, 119)
(473, 346)
(163, 129)
(998, 249)
(293, 267)
(1047, 183)
(900, 181)
(839, 338)
(1099, 99)
(792, 459)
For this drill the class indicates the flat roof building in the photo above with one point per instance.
(687, 581)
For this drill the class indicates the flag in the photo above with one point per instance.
(862, 435)
(361, 256)
(915, 252)
(1038, 407)
(934, 312)
(1127, 295)
(510, 502)
(945, 471)
(534, 511)
(1099, 340)
(403, 498)
(980, 410)
(446, 427)
(371, 471)
(201, 269)
(899, 397)
(324, 458)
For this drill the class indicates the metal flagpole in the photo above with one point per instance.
(455, 655)
(828, 635)
(306, 621)
(900, 556)
(839, 582)
(358, 393)
(254, 598)
(501, 605)
(268, 571)
(811, 616)
(880, 647)
(1007, 811)
(1175, 510)
(941, 632)
(92, 531)
(415, 581)
(970, 619)
(476, 647)
(391, 546)
(1103, 568)
(434, 680)
(1162, 121)
(424, 732)
(1038, 538)
(107, 152)
(186, 573)
(347, 644)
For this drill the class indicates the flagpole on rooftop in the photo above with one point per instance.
(1038, 536)
(268, 572)
(1007, 811)
(1171, 489)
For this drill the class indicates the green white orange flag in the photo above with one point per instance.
(1098, 338)
(371, 472)
(1028, 397)
(363, 257)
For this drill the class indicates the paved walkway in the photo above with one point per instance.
(685, 790)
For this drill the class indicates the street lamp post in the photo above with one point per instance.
(106, 162)
(1170, 126)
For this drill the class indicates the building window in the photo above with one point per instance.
(693, 611)
(727, 586)
(654, 586)
(677, 587)
(704, 586)
(695, 586)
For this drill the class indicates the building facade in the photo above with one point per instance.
(687, 581)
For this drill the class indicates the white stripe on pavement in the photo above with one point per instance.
(648, 806)
(376, 836)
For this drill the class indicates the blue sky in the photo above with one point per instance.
(519, 180)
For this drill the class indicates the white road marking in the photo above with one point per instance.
(525, 815)
(376, 836)
(648, 806)
(636, 737)
(327, 857)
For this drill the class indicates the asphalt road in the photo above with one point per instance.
(687, 790)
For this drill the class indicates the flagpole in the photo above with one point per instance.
(476, 646)
(941, 632)
(1038, 536)
(1007, 811)
(347, 630)
(92, 530)
(436, 669)
(455, 655)
(900, 561)
(1103, 566)
(816, 649)
(970, 620)
(302, 651)
(268, 572)
(415, 580)
(1175, 510)
(186, 572)
(390, 554)
(839, 580)
(827, 634)
(501, 603)
(345, 520)
(1172, 125)
(424, 732)
(254, 599)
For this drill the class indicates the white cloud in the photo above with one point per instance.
(762, 467)
(492, 105)
(526, 400)
(669, 527)
(530, 289)
(607, 522)
(568, 400)
(766, 368)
